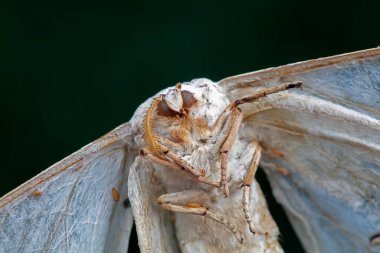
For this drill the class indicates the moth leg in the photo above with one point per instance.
(170, 144)
(146, 152)
(186, 202)
(233, 111)
(247, 182)
(200, 175)
(179, 164)
(226, 147)
(248, 99)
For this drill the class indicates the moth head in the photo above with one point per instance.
(176, 102)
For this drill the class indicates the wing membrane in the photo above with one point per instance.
(329, 135)
(69, 207)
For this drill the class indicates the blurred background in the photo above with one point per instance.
(71, 71)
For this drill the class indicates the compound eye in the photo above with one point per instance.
(164, 110)
(188, 99)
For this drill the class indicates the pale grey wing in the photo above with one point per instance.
(154, 228)
(328, 137)
(70, 206)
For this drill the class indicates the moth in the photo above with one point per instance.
(183, 168)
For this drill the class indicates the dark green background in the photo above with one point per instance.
(71, 71)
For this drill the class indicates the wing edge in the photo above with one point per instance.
(73, 159)
(254, 78)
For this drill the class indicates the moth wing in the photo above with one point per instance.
(325, 141)
(71, 207)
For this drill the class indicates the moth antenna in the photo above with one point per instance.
(149, 134)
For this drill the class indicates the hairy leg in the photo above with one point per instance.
(226, 147)
(188, 202)
(171, 144)
(233, 111)
(247, 182)
(248, 99)
(179, 164)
